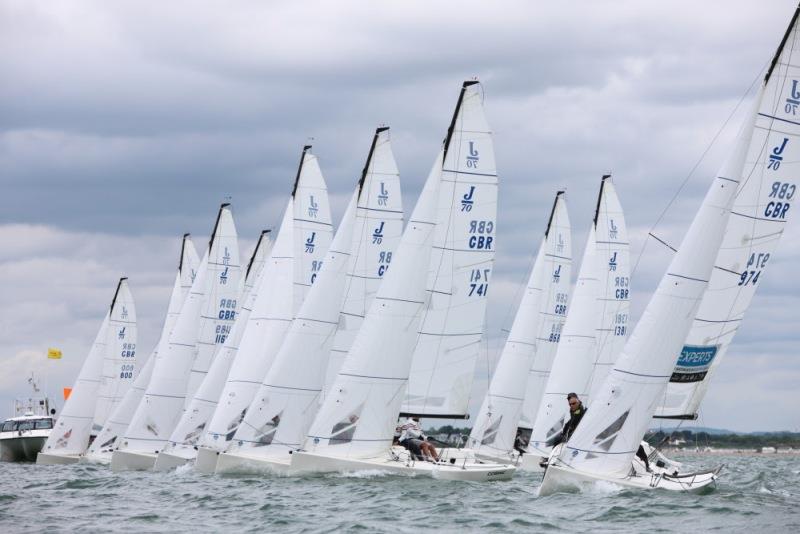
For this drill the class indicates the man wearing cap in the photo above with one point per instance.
(576, 413)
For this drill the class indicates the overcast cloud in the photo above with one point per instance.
(125, 124)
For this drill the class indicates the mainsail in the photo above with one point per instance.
(70, 435)
(119, 362)
(207, 306)
(610, 433)
(303, 239)
(378, 227)
(596, 326)
(757, 221)
(461, 264)
(193, 421)
(288, 398)
(495, 428)
(358, 415)
(120, 418)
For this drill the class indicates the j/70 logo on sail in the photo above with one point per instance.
(612, 230)
(313, 207)
(377, 235)
(310, 243)
(793, 100)
(467, 200)
(383, 195)
(472, 157)
(612, 263)
(776, 157)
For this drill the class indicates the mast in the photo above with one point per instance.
(306, 149)
(378, 132)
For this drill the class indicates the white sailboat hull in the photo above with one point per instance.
(132, 461)
(166, 461)
(559, 478)
(206, 461)
(57, 459)
(466, 469)
(98, 458)
(242, 464)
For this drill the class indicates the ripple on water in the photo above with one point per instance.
(188, 501)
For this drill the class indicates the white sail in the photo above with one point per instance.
(495, 428)
(358, 415)
(461, 264)
(286, 402)
(70, 435)
(162, 405)
(759, 215)
(596, 326)
(613, 427)
(378, 227)
(120, 418)
(303, 239)
(552, 312)
(222, 301)
(193, 421)
(119, 361)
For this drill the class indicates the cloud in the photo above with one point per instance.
(124, 127)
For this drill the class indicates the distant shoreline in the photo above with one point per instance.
(677, 451)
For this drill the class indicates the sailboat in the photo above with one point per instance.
(103, 446)
(303, 239)
(497, 434)
(603, 446)
(181, 445)
(450, 236)
(285, 405)
(596, 325)
(204, 321)
(378, 227)
(110, 363)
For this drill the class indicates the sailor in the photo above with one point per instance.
(520, 442)
(642, 455)
(412, 438)
(576, 412)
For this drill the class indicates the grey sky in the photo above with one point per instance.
(125, 124)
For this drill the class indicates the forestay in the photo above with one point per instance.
(759, 215)
(120, 418)
(614, 425)
(378, 227)
(303, 239)
(119, 361)
(596, 326)
(357, 417)
(495, 428)
(461, 264)
(193, 421)
(162, 405)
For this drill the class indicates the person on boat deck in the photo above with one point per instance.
(576, 412)
(520, 442)
(642, 455)
(412, 438)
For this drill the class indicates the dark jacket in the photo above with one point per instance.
(570, 426)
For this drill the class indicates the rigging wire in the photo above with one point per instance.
(695, 166)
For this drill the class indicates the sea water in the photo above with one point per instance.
(756, 493)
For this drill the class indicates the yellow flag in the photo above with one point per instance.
(54, 354)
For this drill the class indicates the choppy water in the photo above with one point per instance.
(755, 494)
